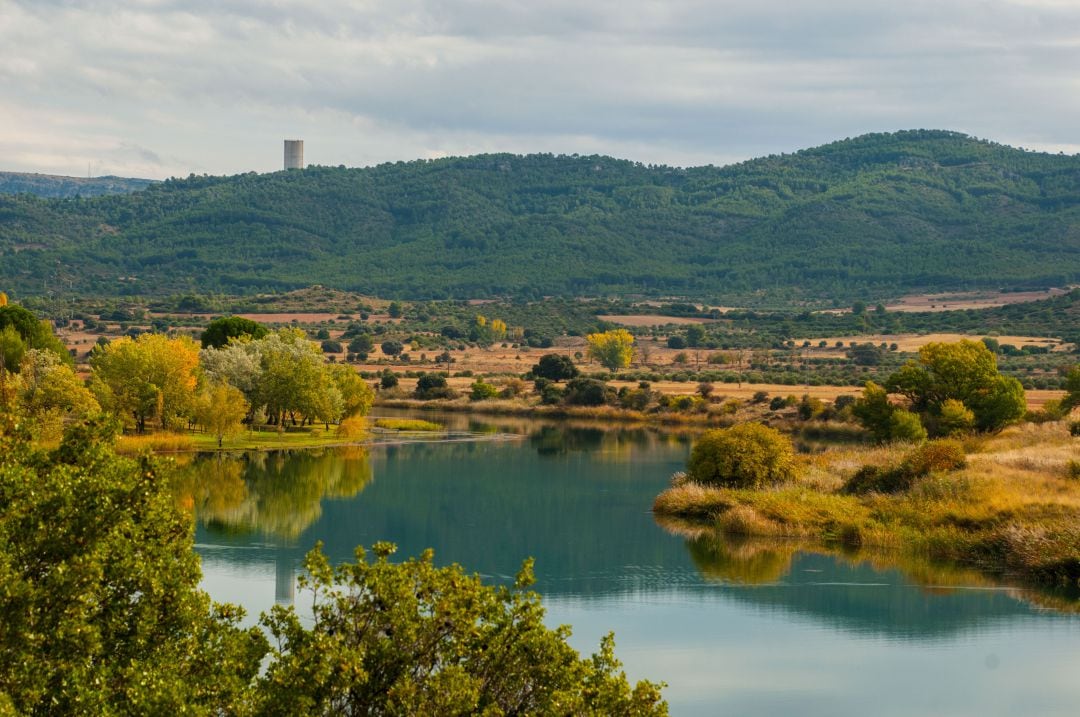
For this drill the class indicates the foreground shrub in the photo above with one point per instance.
(748, 455)
(413, 638)
(103, 615)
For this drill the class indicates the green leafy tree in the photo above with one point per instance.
(101, 602)
(220, 409)
(34, 332)
(555, 367)
(906, 426)
(954, 418)
(747, 455)
(220, 330)
(874, 412)
(967, 372)
(413, 638)
(356, 395)
(1072, 388)
(612, 349)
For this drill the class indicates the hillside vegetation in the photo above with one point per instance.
(872, 216)
(54, 186)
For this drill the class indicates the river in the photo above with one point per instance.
(733, 628)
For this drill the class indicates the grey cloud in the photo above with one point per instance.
(677, 79)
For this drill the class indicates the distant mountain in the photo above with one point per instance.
(872, 216)
(57, 187)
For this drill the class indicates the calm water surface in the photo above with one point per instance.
(737, 629)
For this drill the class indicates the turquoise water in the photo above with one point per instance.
(749, 628)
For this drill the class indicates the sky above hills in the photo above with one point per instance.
(156, 88)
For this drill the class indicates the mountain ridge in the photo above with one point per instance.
(874, 215)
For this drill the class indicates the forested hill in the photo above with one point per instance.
(879, 214)
(54, 186)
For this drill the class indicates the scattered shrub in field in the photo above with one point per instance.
(777, 403)
(433, 386)
(874, 479)
(586, 392)
(939, 456)
(551, 394)
(934, 457)
(481, 391)
(388, 379)
(513, 388)
(748, 455)
(760, 397)
(1072, 470)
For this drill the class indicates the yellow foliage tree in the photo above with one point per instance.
(3, 299)
(152, 376)
(220, 409)
(613, 349)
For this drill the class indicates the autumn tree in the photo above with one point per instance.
(153, 376)
(220, 409)
(612, 349)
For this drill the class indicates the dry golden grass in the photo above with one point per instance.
(1013, 508)
(154, 442)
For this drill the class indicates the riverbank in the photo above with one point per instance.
(524, 408)
(1013, 509)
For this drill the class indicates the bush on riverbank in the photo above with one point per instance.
(748, 455)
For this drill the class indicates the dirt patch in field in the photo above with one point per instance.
(913, 342)
(969, 300)
(652, 320)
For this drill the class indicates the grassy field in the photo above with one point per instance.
(1014, 508)
(261, 440)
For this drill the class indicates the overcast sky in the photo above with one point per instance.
(155, 88)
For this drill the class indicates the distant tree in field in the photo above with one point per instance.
(866, 354)
(362, 344)
(395, 310)
(675, 341)
(392, 348)
(555, 367)
(967, 372)
(220, 330)
(480, 390)
(1072, 388)
(220, 409)
(388, 379)
(612, 349)
(34, 332)
(695, 335)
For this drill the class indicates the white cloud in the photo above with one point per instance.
(205, 86)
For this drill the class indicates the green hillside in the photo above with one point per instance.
(876, 215)
(54, 186)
